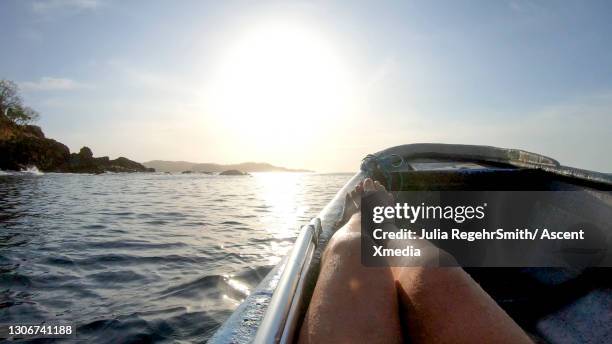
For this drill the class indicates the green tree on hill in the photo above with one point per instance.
(11, 104)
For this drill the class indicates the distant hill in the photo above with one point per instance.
(180, 166)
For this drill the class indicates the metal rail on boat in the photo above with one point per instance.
(281, 318)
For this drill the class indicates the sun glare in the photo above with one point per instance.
(275, 80)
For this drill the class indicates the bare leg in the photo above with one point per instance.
(351, 303)
(445, 305)
(355, 304)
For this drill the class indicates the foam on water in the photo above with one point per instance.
(32, 170)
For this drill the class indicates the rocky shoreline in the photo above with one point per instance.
(24, 146)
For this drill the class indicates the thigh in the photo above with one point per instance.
(445, 305)
(351, 303)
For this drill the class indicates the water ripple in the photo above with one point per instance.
(136, 258)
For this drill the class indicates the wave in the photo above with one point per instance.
(137, 258)
(32, 170)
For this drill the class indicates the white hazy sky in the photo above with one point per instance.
(314, 84)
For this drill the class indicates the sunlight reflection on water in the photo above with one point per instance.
(133, 256)
(283, 193)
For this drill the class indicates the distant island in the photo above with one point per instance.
(182, 166)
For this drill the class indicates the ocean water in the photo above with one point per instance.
(145, 257)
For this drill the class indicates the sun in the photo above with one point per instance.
(278, 79)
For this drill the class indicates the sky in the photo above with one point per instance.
(314, 85)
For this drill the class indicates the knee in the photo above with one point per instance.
(347, 237)
(343, 257)
(435, 272)
(344, 243)
(437, 281)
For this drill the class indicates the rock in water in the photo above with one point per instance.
(22, 146)
(233, 173)
(84, 162)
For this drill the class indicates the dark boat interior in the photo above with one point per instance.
(545, 301)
